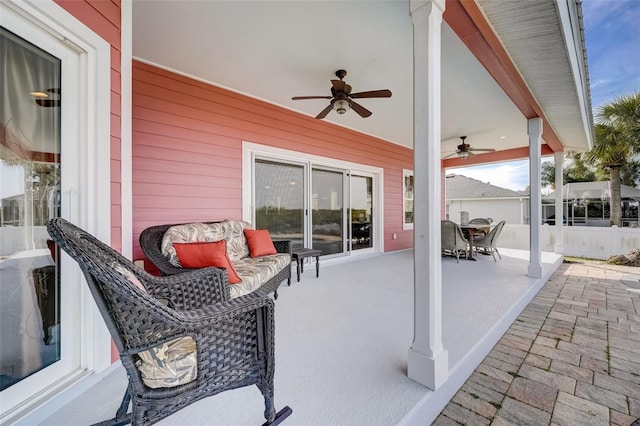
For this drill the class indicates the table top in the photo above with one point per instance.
(478, 225)
(305, 252)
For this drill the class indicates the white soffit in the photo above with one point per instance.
(532, 32)
(273, 50)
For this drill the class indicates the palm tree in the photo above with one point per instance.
(617, 133)
(574, 170)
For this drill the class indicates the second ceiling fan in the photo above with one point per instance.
(342, 99)
(464, 150)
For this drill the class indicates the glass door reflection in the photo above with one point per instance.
(361, 212)
(280, 200)
(30, 196)
(328, 219)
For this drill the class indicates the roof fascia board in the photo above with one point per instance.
(572, 27)
(467, 20)
(495, 157)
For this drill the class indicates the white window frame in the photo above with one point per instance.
(89, 197)
(405, 174)
(251, 150)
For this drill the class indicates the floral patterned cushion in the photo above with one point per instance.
(171, 364)
(230, 230)
(255, 271)
(237, 247)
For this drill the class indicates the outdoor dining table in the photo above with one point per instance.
(474, 228)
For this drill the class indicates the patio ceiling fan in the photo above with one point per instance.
(464, 150)
(342, 99)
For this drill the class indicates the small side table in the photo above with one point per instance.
(299, 254)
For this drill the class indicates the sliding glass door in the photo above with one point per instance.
(328, 213)
(39, 317)
(316, 205)
(30, 168)
(280, 200)
(361, 191)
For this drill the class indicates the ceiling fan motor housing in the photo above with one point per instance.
(341, 99)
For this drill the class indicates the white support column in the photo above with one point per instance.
(559, 163)
(428, 361)
(534, 129)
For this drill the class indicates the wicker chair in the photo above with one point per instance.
(151, 243)
(480, 221)
(234, 339)
(452, 239)
(488, 242)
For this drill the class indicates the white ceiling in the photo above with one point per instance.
(273, 50)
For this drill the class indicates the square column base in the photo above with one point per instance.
(429, 372)
(535, 271)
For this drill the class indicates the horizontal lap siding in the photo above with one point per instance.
(187, 151)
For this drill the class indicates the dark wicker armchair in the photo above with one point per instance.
(234, 339)
(151, 244)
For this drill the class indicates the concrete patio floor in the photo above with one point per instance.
(342, 342)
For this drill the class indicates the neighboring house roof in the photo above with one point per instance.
(591, 190)
(458, 187)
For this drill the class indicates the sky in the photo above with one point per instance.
(612, 34)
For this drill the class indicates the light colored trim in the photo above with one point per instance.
(534, 130)
(126, 162)
(559, 202)
(428, 360)
(250, 149)
(570, 15)
(65, 395)
(92, 198)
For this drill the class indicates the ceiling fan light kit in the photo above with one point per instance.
(341, 106)
(341, 99)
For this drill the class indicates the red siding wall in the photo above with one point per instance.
(187, 149)
(103, 17)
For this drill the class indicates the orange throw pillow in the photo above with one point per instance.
(259, 242)
(203, 254)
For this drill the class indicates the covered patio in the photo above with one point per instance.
(183, 102)
(341, 345)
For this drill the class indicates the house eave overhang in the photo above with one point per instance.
(536, 52)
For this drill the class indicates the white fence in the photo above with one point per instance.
(578, 241)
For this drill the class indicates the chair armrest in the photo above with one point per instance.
(166, 324)
(192, 289)
(282, 246)
(224, 311)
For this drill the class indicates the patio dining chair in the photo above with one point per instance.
(488, 243)
(179, 337)
(480, 221)
(453, 241)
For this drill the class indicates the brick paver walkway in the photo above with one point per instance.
(571, 358)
